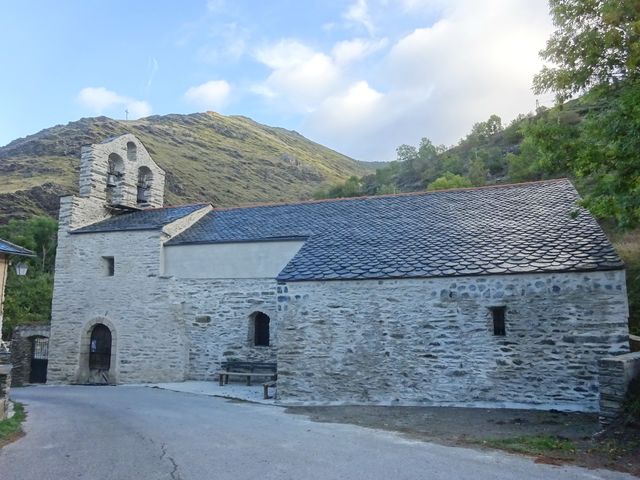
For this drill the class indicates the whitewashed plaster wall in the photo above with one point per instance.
(229, 260)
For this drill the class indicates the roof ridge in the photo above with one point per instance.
(173, 206)
(391, 195)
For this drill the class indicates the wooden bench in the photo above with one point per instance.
(248, 370)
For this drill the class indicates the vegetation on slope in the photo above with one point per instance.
(207, 156)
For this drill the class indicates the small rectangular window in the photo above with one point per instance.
(109, 266)
(499, 327)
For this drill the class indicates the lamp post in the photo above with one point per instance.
(21, 269)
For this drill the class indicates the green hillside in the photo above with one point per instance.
(225, 160)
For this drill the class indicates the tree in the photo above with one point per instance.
(406, 153)
(28, 299)
(38, 234)
(352, 187)
(477, 172)
(417, 165)
(448, 181)
(596, 43)
(609, 158)
(427, 150)
(481, 131)
(596, 49)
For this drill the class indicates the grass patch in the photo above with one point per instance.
(535, 445)
(12, 427)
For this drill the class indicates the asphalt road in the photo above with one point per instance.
(147, 434)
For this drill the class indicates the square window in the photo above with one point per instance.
(499, 326)
(109, 266)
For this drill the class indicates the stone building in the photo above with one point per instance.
(488, 296)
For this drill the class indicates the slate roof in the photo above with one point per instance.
(492, 230)
(9, 248)
(150, 219)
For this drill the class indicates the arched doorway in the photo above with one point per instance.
(100, 348)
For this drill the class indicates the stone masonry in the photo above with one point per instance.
(149, 337)
(125, 156)
(431, 340)
(616, 373)
(21, 351)
(219, 322)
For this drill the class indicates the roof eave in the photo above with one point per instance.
(289, 279)
(16, 250)
(113, 230)
(292, 238)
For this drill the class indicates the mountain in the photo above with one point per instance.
(225, 160)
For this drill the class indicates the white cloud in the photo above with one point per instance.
(225, 42)
(479, 58)
(355, 105)
(286, 53)
(211, 95)
(366, 123)
(300, 76)
(100, 100)
(365, 97)
(349, 51)
(215, 5)
(358, 13)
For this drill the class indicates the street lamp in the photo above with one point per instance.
(21, 269)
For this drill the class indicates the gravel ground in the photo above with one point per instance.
(617, 449)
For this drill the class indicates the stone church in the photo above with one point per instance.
(504, 295)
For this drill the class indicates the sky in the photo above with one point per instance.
(359, 76)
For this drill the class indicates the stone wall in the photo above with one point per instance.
(430, 341)
(615, 375)
(218, 317)
(4, 269)
(131, 154)
(21, 351)
(149, 341)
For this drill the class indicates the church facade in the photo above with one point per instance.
(503, 295)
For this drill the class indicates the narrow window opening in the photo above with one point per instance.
(132, 151)
(261, 330)
(499, 327)
(115, 179)
(109, 266)
(145, 179)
